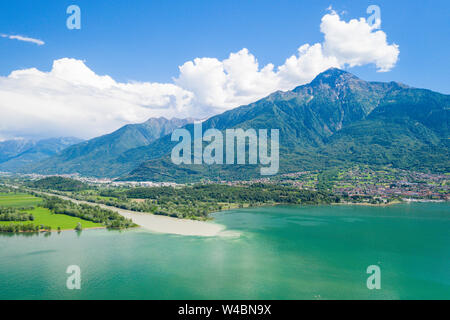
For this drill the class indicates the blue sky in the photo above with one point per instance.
(147, 41)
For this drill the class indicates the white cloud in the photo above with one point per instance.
(356, 43)
(302, 68)
(220, 85)
(73, 100)
(22, 38)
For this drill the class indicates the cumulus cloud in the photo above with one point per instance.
(72, 99)
(356, 43)
(22, 38)
(220, 85)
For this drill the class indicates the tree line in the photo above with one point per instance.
(15, 214)
(197, 201)
(24, 227)
(97, 214)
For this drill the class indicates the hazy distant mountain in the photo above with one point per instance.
(11, 148)
(99, 156)
(15, 154)
(336, 120)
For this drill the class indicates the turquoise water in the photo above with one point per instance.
(317, 252)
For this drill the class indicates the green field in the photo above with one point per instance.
(17, 200)
(43, 215)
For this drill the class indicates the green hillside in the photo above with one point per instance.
(58, 183)
(98, 156)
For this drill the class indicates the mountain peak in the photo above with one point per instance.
(174, 120)
(156, 119)
(333, 76)
(333, 72)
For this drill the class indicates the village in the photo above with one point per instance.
(381, 183)
(367, 184)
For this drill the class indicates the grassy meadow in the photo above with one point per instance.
(18, 200)
(42, 216)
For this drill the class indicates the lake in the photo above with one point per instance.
(308, 252)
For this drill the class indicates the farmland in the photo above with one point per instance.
(42, 216)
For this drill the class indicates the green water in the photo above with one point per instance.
(282, 253)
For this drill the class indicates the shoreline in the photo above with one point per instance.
(369, 204)
(52, 231)
(157, 223)
(187, 227)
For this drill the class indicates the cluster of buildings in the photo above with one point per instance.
(359, 181)
(366, 182)
(384, 183)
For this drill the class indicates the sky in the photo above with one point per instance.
(140, 59)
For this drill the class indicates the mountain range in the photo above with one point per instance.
(336, 120)
(100, 157)
(18, 153)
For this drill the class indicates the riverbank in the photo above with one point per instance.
(51, 231)
(159, 224)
